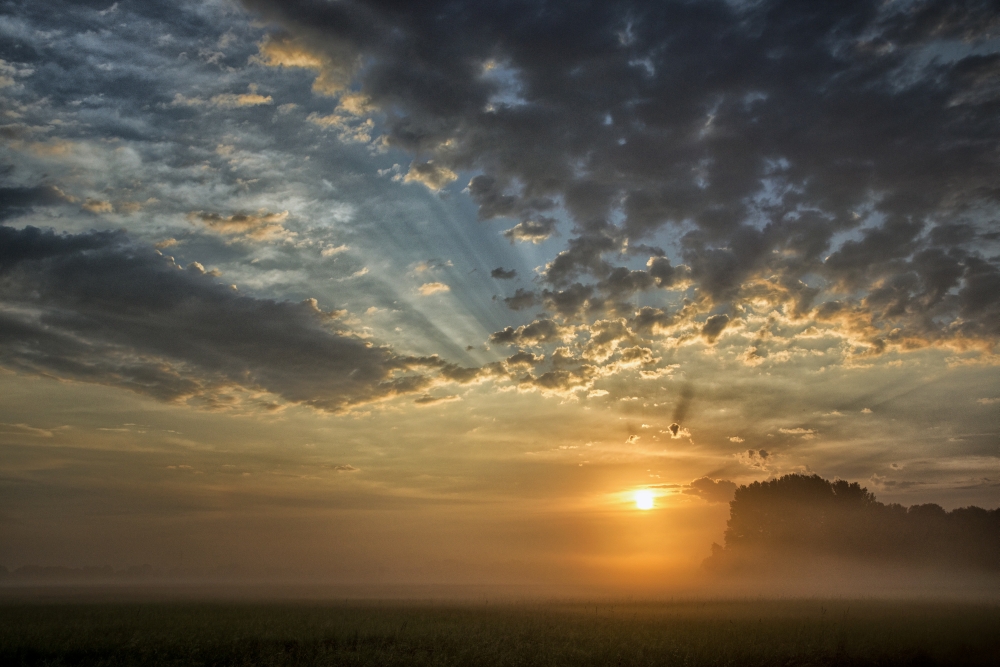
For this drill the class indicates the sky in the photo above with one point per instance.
(426, 292)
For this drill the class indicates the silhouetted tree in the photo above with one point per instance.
(797, 517)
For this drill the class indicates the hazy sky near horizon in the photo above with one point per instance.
(425, 291)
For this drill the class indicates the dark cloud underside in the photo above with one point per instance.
(98, 307)
(842, 154)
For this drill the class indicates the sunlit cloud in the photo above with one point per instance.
(428, 289)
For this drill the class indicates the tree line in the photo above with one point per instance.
(796, 518)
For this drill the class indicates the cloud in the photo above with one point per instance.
(754, 458)
(634, 357)
(806, 433)
(332, 250)
(356, 104)
(561, 382)
(532, 231)
(97, 206)
(350, 130)
(181, 100)
(652, 321)
(539, 331)
(20, 200)
(501, 273)
(259, 226)
(606, 337)
(433, 176)
(433, 288)
(574, 301)
(25, 429)
(676, 432)
(233, 101)
(332, 64)
(711, 490)
(7, 74)
(521, 299)
(523, 360)
(686, 127)
(427, 399)
(99, 307)
(714, 326)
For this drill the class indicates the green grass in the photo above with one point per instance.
(382, 633)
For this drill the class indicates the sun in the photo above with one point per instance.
(644, 499)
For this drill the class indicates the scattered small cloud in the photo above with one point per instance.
(754, 458)
(233, 101)
(714, 326)
(427, 399)
(500, 273)
(806, 433)
(433, 288)
(676, 432)
(521, 299)
(24, 429)
(331, 250)
(98, 206)
(431, 175)
(531, 231)
(259, 226)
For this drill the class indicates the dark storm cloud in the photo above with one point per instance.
(97, 307)
(501, 273)
(17, 201)
(838, 140)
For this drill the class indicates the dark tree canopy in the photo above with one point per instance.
(796, 518)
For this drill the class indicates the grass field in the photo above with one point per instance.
(407, 633)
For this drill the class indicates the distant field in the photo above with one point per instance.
(410, 633)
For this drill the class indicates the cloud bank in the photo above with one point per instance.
(834, 161)
(98, 307)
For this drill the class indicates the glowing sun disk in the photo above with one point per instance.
(644, 499)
